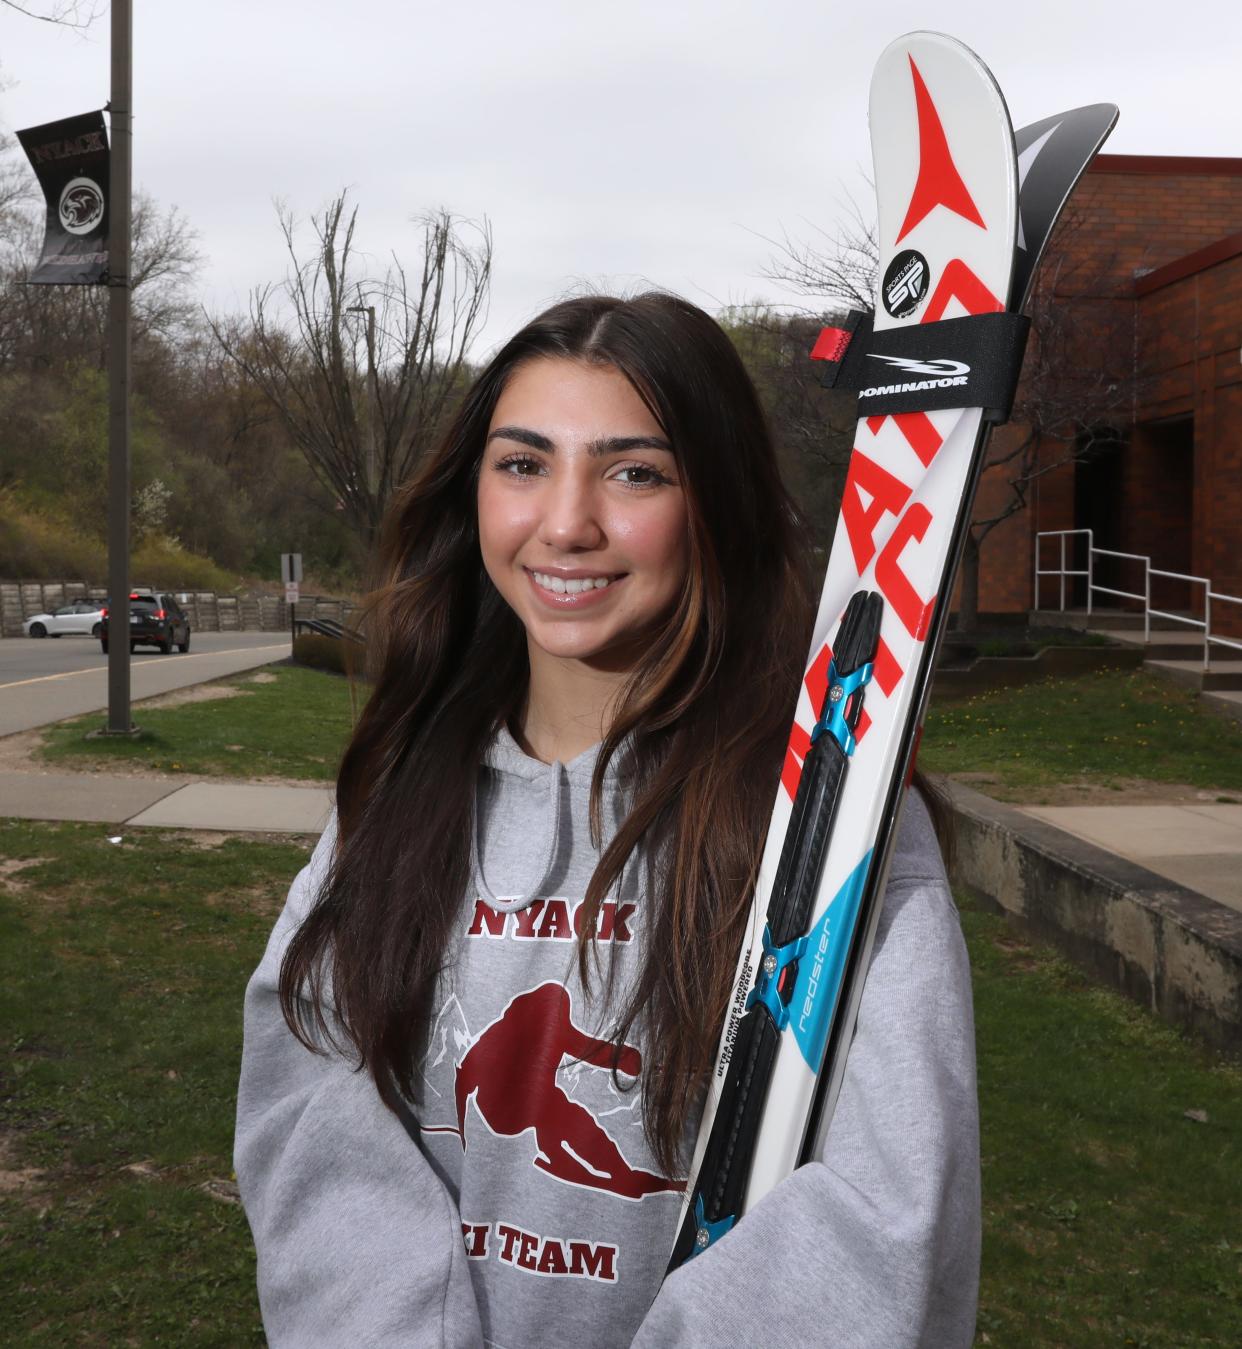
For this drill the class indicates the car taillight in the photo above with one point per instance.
(159, 613)
(103, 613)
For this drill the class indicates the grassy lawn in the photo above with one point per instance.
(121, 975)
(1101, 728)
(1107, 729)
(1110, 1217)
(292, 727)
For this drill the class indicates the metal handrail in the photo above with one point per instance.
(1063, 534)
(1182, 618)
(328, 627)
(1208, 638)
(1209, 595)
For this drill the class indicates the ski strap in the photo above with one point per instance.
(965, 362)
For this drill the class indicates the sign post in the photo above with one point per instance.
(291, 575)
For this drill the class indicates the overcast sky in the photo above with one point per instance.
(608, 144)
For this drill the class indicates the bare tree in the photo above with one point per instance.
(1079, 383)
(16, 190)
(840, 266)
(812, 426)
(43, 327)
(1079, 389)
(17, 187)
(307, 351)
(66, 13)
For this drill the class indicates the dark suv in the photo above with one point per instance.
(155, 619)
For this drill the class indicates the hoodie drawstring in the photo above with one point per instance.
(545, 866)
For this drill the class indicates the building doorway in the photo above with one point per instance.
(1099, 485)
(1138, 497)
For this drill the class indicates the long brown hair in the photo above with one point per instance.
(707, 713)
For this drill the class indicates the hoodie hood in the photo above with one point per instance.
(535, 817)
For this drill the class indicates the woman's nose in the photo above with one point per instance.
(571, 516)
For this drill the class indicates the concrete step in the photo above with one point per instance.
(1163, 648)
(1164, 645)
(1224, 674)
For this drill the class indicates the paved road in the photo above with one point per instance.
(45, 681)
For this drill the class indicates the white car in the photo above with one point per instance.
(82, 616)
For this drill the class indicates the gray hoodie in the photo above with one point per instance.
(517, 1204)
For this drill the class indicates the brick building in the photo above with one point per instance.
(1143, 295)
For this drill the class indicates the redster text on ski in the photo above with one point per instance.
(726, 1168)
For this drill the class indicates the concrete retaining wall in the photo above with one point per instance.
(1171, 949)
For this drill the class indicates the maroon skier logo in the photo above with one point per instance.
(510, 1074)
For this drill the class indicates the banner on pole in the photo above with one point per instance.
(70, 159)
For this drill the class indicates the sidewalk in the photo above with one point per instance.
(166, 803)
(1196, 844)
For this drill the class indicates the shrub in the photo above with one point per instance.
(327, 653)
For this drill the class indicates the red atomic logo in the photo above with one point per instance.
(939, 183)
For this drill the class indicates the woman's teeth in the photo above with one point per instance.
(559, 586)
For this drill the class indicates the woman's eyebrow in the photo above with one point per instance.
(522, 436)
(624, 444)
(596, 448)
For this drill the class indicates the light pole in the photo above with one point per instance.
(121, 109)
(372, 401)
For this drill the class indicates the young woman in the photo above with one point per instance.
(477, 1043)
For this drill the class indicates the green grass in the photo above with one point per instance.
(1103, 728)
(121, 976)
(1109, 1217)
(293, 727)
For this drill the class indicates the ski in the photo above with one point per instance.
(1053, 154)
(953, 248)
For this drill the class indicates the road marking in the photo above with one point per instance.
(186, 656)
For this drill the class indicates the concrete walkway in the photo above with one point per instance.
(166, 803)
(1166, 945)
(1198, 845)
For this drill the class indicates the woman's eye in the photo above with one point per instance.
(520, 466)
(640, 475)
(629, 475)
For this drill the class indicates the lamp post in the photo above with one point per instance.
(121, 109)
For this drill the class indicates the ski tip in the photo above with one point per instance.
(1105, 114)
(1108, 112)
(933, 35)
(1093, 121)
